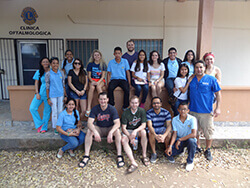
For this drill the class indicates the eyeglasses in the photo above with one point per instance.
(77, 63)
(183, 109)
(156, 103)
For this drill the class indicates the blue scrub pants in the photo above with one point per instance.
(191, 147)
(46, 112)
(73, 141)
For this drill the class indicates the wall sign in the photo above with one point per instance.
(29, 15)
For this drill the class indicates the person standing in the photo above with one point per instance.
(133, 126)
(67, 65)
(118, 75)
(131, 55)
(189, 59)
(203, 89)
(41, 97)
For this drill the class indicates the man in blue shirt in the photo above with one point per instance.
(157, 120)
(131, 55)
(118, 76)
(184, 135)
(107, 124)
(202, 90)
(172, 64)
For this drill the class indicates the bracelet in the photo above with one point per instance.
(68, 133)
(48, 98)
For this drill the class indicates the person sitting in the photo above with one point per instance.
(107, 124)
(69, 127)
(184, 135)
(118, 75)
(157, 117)
(133, 126)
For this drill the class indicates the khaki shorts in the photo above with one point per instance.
(130, 131)
(103, 131)
(205, 123)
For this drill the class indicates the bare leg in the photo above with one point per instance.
(78, 105)
(167, 140)
(208, 143)
(152, 142)
(99, 87)
(198, 140)
(90, 96)
(88, 144)
(117, 135)
(127, 149)
(159, 87)
(83, 104)
(153, 89)
(144, 142)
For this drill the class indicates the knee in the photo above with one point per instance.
(82, 138)
(74, 143)
(143, 134)
(117, 135)
(124, 140)
(192, 141)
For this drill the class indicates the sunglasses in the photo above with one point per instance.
(77, 63)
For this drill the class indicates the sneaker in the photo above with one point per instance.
(71, 153)
(56, 132)
(153, 158)
(170, 158)
(183, 153)
(208, 154)
(198, 150)
(39, 129)
(43, 131)
(59, 156)
(189, 167)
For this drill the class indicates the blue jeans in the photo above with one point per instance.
(176, 105)
(73, 141)
(169, 84)
(138, 89)
(46, 112)
(191, 147)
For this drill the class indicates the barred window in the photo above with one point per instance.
(82, 48)
(149, 45)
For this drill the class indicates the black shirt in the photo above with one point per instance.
(75, 80)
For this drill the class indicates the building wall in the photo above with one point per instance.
(114, 22)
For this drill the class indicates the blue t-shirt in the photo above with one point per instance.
(56, 84)
(184, 129)
(67, 121)
(158, 120)
(104, 118)
(68, 66)
(118, 70)
(42, 90)
(202, 94)
(95, 69)
(173, 68)
(130, 58)
(190, 67)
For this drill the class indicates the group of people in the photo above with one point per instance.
(193, 87)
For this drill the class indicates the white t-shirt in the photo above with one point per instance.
(155, 73)
(140, 74)
(180, 82)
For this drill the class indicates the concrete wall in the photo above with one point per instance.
(114, 22)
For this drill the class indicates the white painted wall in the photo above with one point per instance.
(114, 22)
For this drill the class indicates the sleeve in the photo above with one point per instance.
(109, 66)
(62, 63)
(148, 116)
(114, 113)
(60, 119)
(70, 72)
(63, 78)
(104, 68)
(93, 112)
(177, 83)
(168, 116)
(148, 68)
(174, 124)
(127, 65)
(47, 81)
(162, 67)
(194, 123)
(144, 117)
(216, 86)
(78, 116)
(133, 67)
(36, 75)
(124, 119)
(89, 67)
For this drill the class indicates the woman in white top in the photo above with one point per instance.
(181, 84)
(139, 71)
(156, 73)
(211, 69)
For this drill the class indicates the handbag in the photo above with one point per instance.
(172, 100)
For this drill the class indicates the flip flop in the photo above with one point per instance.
(131, 168)
(84, 163)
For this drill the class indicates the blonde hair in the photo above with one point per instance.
(91, 59)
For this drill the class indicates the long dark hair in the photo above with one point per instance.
(75, 114)
(65, 60)
(186, 54)
(179, 71)
(82, 73)
(145, 62)
(150, 58)
(41, 72)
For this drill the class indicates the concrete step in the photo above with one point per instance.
(23, 136)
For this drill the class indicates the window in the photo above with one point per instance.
(82, 48)
(149, 45)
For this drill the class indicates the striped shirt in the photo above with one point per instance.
(158, 120)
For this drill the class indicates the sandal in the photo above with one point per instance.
(131, 168)
(84, 163)
(87, 113)
(119, 165)
(145, 161)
